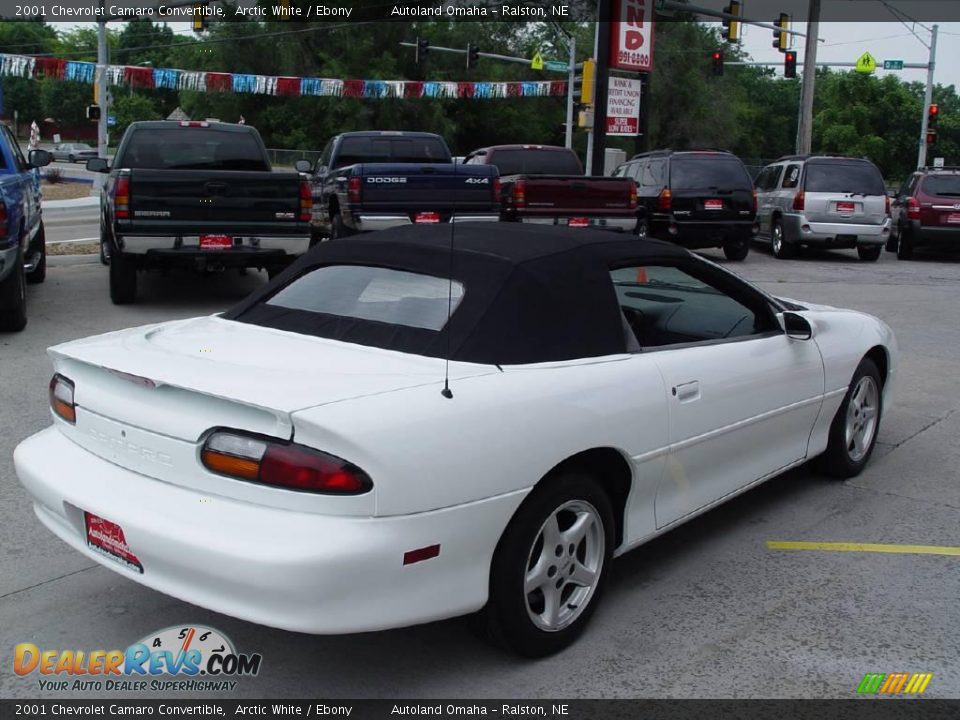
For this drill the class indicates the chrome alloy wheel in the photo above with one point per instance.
(777, 239)
(564, 565)
(862, 419)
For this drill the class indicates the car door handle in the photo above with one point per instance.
(688, 391)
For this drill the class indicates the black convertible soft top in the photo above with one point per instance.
(531, 294)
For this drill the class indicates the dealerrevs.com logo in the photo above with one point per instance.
(180, 658)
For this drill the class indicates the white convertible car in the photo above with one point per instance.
(393, 431)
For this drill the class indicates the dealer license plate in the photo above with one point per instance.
(107, 538)
(845, 208)
(713, 205)
(427, 218)
(578, 222)
(216, 242)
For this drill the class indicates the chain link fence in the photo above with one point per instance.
(283, 159)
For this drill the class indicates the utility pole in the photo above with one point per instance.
(602, 87)
(805, 126)
(589, 163)
(927, 98)
(571, 78)
(101, 81)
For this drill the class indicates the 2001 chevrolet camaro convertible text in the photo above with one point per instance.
(298, 461)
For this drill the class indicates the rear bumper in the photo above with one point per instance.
(945, 236)
(797, 229)
(251, 246)
(694, 235)
(288, 569)
(372, 223)
(616, 223)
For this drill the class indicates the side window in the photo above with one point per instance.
(18, 158)
(325, 156)
(908, 186)
(653, 173)
(768, 177)
(666, 305)
(791, 178)
(621, 171)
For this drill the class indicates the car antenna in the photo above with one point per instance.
(447, 392)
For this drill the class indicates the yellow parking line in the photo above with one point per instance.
(864, 547)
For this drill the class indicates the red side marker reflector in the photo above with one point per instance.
(425, 553)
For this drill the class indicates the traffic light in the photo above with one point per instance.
(473, 56)
(779, 35)
(199, 17)
(93, 112)
(423, 49)
(790, 64)
(731, 28)
(718, 62)
(933, 113)
(588, 82)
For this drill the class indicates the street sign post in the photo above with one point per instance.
(893, 64)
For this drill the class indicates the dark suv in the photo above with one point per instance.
(695, 198)
(926, 211)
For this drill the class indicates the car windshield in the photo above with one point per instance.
(354, 150)
(533, 161)
(948, 185)
(723, 172)
(394, 297)
(860, 178)
(193, 149)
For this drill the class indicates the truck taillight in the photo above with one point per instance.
(496, 189)
(306, 201)
(61, 398)
(799, 201)
(353, 189)
(520, 193)
(121, 197)
(283, 465)
(665, 200)
(633, 195)
(913, 208)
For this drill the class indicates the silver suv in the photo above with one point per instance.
(832, 202)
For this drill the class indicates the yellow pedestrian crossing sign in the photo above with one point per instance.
(866, 63)
(536, 62)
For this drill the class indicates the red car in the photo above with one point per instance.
(926, 211)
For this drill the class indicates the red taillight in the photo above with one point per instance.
(913, 208)
(520, 193)
(121, 197)
(798, 201)
(886, 205)
(633, 195)
(496, 189)
(754, 202)
(283, 465)
(194, 123)
(306, 201)
(665, 200)
(61, 398)
(353, 189)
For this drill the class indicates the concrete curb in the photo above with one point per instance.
(57, 207)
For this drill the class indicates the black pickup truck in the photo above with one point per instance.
(374, 180)
(201, 195)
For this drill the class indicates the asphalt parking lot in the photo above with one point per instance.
(705, 611)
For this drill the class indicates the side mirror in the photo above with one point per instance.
(302, 166)
(98, 165)
(39, 158)
(796, 326)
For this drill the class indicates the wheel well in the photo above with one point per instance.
(611, 470)
(334, 208)
(879, 356)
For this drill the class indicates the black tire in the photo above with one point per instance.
(104, 247)
(843, 458)
(72, 159)
(891, 245)
(736, 250)
(39, 272)
(507, 618)
(123, 279)
(780, 248)
(337, 229)
(13, 298)
(904, 246)
(643, 230)
(869, 253)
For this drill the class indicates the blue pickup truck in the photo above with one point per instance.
(23, 253)
(373, 180)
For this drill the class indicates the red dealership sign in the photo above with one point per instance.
(631, 35)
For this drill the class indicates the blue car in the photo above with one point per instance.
(23, 251)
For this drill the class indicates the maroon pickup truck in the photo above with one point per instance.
(546, 185)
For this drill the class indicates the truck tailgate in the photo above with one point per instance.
(224, 197)
(566, 195)
(439, 188)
